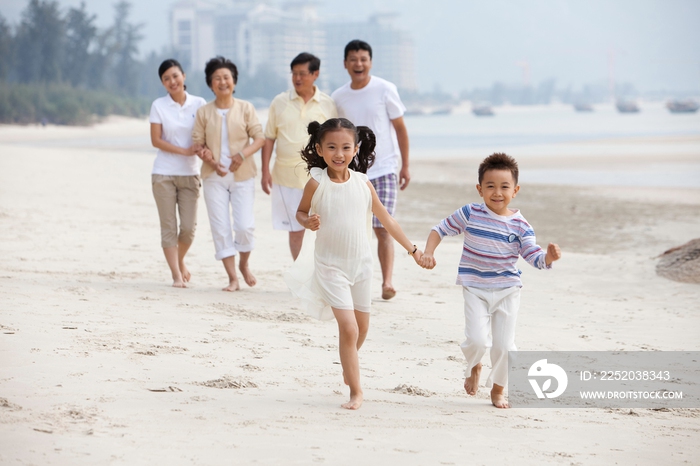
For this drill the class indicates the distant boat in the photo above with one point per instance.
(482, 110)
(444, 110)
(683, 106)
(581, 107)
(627, 106)
(415, 111)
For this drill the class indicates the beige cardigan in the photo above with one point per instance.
(243, 124)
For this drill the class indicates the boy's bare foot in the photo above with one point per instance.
(186, 275)
(388, 292)
(248, 277)
(497, 397)
(471, 383)
(355, 401)
(232, 286)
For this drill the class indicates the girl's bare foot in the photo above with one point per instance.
(497, 397)
(186, 275)
(248, 277)
(471, 383)
(232, 286)
(355, 401)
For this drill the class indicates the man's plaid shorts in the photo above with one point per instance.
(387, 190)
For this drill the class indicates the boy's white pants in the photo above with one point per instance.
(225, 197)
(489, 318)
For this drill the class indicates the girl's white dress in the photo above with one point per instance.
(334, 267)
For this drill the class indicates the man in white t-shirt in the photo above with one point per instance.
(374, 102)
(290, 114)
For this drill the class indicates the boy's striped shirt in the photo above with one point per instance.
(492, 244)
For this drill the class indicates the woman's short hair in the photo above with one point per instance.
(217, 63)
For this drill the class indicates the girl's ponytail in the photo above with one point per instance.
(365, 155)
(308, 153)
(313, 127)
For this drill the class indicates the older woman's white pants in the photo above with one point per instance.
(226, 198)
(489, 323)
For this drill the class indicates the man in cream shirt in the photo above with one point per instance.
(290, 114)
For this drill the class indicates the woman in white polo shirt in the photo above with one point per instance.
(175, 176)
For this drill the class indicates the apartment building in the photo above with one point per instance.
(257, 35)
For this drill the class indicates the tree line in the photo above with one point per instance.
(60, 67)
(57, 66)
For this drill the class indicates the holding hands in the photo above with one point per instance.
(553, 253)
(192, 150)
(204, 153)
(427, 261)
(418, 257)
(236, 161)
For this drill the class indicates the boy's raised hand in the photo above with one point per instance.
(553, 253)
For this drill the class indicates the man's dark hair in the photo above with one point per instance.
(357, 45)
(499, 161)
(305, 57)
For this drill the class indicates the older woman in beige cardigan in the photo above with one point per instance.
(225, 127)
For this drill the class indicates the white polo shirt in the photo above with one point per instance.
(375, 105)
(177, 122)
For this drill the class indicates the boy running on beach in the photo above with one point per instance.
(494, 237)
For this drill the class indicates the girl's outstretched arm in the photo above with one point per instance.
(393, 227)
(312, 222)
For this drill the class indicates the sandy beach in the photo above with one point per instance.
(102, 362)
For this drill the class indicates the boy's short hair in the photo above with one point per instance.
(357, 45)
(305, 57)
(499, 161)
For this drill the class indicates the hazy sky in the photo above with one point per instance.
(462, 44)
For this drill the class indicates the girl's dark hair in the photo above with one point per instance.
(363, 136)
(166, 65)
(217, 63)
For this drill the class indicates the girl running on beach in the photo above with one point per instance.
(338, 203)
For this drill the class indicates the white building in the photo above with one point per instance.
(263, 38)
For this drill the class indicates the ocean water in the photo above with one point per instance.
(632, 142)
(539, 125)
